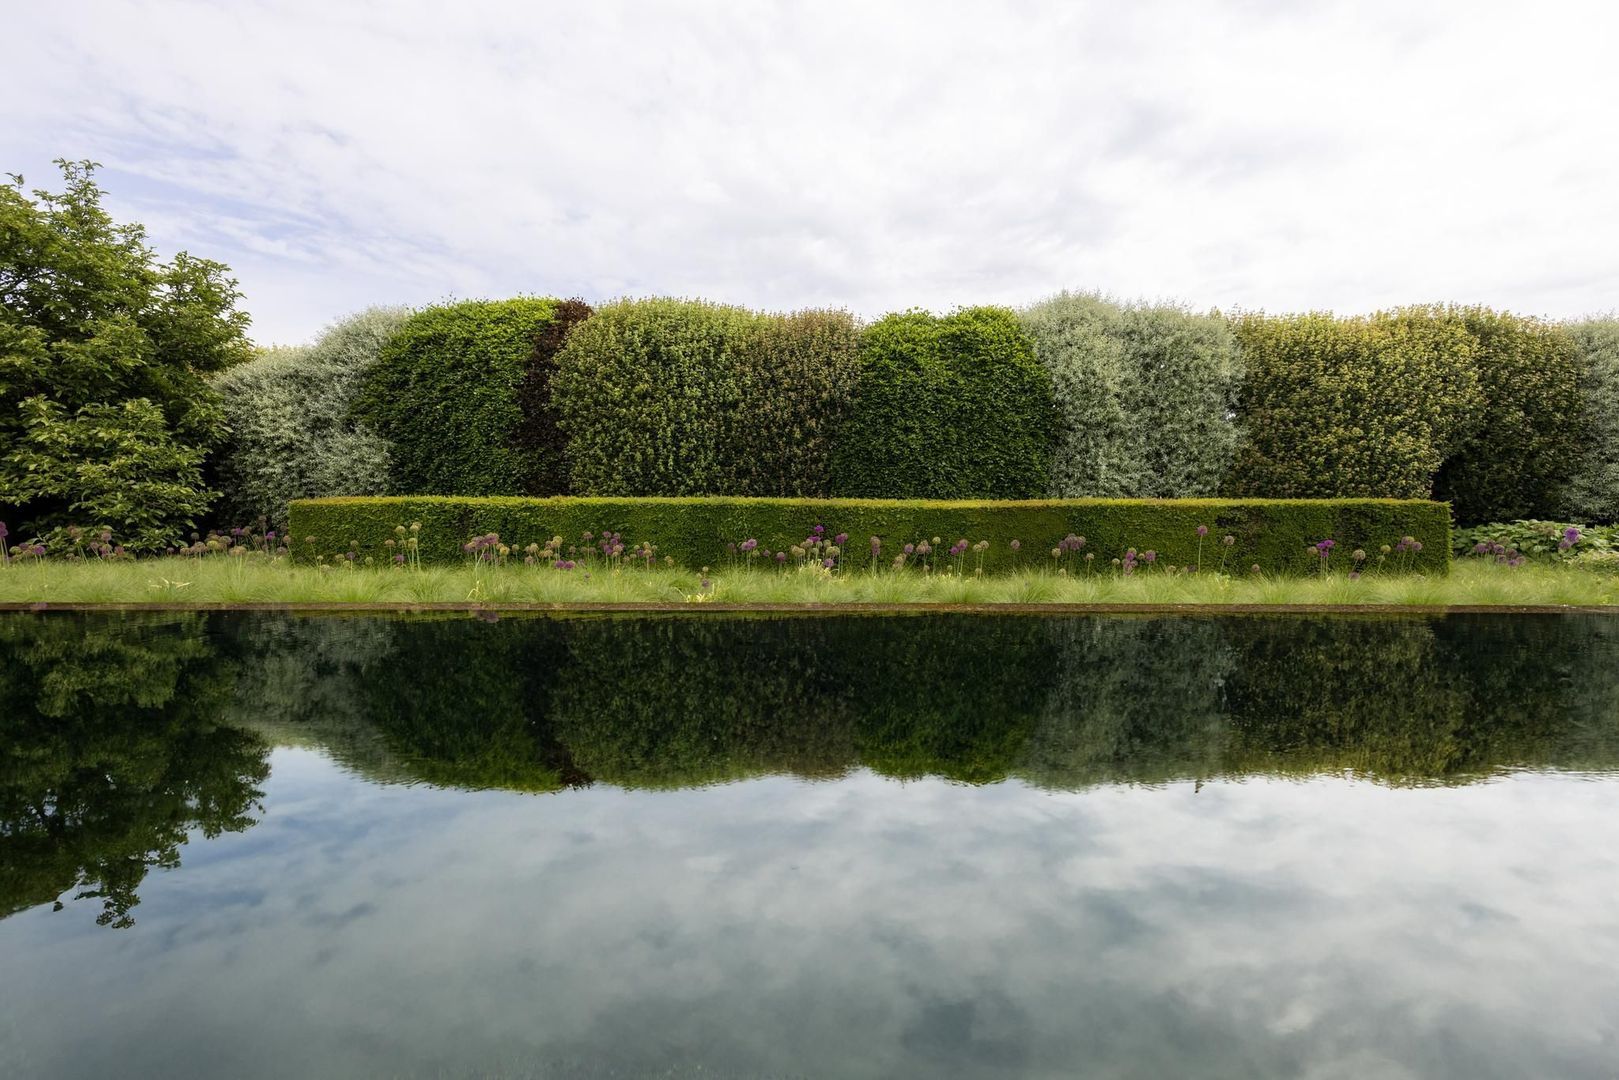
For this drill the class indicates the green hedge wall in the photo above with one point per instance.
(646, 392)
(950, 407)
(291, 433)
(1145, 396)
(683, 397)
(1337, 408)
(1593, 489)
(445, 394)
(695, 531)
(1518, 457)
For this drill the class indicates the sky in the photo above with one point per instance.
(1258, 154)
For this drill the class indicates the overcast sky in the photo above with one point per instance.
(873, 155)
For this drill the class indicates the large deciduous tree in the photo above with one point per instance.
(106, 413)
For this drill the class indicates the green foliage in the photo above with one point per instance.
(445, 396)
(1538, 539)
(695, 531)
(291, 432)
(118, 466)
(539, 435)
(1063, 702)
(648, 391)
(1339, 408)
(112, 340)
(1593, 489)
(1144, 394)
(1518, 455)
(797, 378)
(110, 754)
(947, 407)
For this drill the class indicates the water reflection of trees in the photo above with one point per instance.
(542, 703)
(122, 736)
(114, 750)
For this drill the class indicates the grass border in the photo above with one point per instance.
(851, 608)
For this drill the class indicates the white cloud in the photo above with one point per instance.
(1343, 155)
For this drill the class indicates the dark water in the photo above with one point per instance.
(264, 846)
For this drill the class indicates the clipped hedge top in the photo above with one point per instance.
(1276, 534)
(765, 500)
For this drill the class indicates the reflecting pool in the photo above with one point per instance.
(708, 846)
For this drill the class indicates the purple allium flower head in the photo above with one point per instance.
(3, 532)
(749, 544)
(827, 563)
(781, 556)
(818, 530)
(1149, 556)
(1354, 575)
(1326, 545)
(909, 549)
(400, 559)
(841, 539)
(1202, 530)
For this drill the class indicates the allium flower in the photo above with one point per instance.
(781, 556)
(1149, 556)
(909, 549)
(841, 539)
(1228, 540)
(1254, 568)
(1016, 545)
(1202, 531)
(1358, 555)
(3, 531)
(827, 563)
(1354, 575)
(818, 530)
(749, 544)
(399, 560)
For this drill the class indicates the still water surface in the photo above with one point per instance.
(268, 846)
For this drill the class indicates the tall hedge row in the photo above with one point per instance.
(1515, 460)
(445, 395)
(1144, 396)
(1367, 406)
(947, 407)
(290, 432)
(1074, 397)
(682, 397)
(1592, 494)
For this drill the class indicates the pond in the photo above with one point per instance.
(256, 845)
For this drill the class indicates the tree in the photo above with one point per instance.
(104, 354)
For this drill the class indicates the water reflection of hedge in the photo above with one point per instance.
(111, 751)
(1061, 703)
(118, 736)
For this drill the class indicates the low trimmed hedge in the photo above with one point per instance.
(1272, 533)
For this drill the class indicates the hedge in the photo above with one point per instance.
(695, 531)
(1518, 456)
(646, 392)
(291, 435)
(1145, 396)
(947, 407)
(798, 377)
(1337, 408)
(1593, 490)
(685, 397)
(445, 394)
(539, 435)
